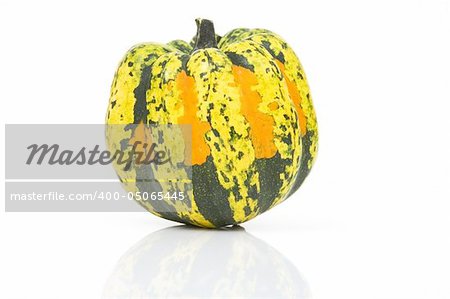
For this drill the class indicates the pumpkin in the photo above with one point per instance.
(253, 130)
(182, 262)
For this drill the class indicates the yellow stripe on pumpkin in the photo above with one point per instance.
(220, 101)
(295, 96)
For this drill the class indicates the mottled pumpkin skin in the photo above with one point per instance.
(254, 129)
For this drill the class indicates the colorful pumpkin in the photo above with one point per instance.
(253, 127)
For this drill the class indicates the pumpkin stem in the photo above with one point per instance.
(206, 37)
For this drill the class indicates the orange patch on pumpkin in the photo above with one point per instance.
(196, 149)
(261, 124)
(273, 106)
(141, 140)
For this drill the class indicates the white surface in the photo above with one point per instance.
(371, 221)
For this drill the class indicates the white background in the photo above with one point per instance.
(373, 218)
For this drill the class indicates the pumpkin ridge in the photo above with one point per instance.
(180, 45)
(232, 36)
(167, 99)
(232, 155)
(285, 125)
(127, 78)
(294, 72)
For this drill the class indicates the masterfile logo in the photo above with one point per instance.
(73, 167)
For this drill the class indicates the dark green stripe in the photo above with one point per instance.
(306, 156)
(269, 179)
(240, 60)
(211, 198)
(146, 182)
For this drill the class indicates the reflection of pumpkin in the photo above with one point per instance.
(184, 262)
(245, 96)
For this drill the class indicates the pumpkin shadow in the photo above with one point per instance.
(188, 262)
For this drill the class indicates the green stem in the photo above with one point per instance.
(206, 37)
